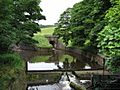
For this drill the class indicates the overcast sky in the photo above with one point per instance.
(53, 8)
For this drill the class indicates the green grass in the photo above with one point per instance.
(47, 31)
(42, 41)
(40, 37)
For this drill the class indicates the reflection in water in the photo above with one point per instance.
(66, 64)
(43, 66)
(53, 66)
(60, 60)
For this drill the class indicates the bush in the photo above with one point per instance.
(12, 60)
(113, 64)
(10, 66)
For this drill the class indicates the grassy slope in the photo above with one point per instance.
(43, 42)
(47, 31)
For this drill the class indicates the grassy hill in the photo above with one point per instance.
(47, 31)
(42, 41)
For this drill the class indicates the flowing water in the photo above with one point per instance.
(62, 85)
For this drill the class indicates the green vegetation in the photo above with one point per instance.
(113, 64)
(10, 67)
(42, 41)
(12, 60)
(109, 37)
(93, 25)
(17, 21)
(63, 29)
(17, 24)
(40, 37)
(82, 23)
(47, 31)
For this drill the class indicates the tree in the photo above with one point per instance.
(85, 22)
(18, 21)
(109, 37)
(62, 27)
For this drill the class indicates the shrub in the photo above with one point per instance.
(10, 66)
(113, 64)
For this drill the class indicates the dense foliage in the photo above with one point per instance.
(17, 24)
(62, 29)
(10, 67)
(93, 25)
(17, 21)
(109, 37)
(83, 23)
(40, 37)
(113, 64)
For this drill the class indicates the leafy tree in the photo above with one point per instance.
(62, 29)
(18, 21)
(85, 22)
(5, 18)
(109, 37)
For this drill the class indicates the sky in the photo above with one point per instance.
(53, 8)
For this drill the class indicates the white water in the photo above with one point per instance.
(45, 87)
(62, 85)
(64, 82)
